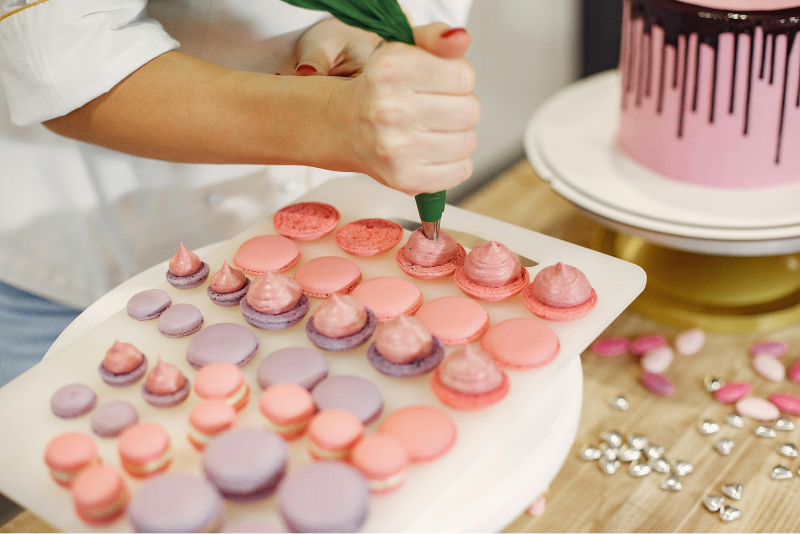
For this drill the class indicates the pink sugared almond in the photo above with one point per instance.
(658, 384)
(758, 409)
(732, 392)
(786, 403)
(610, 346)
(769, 348)
(644, 344)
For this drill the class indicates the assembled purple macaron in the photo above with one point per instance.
(176, 502)
(73, 400)
(149, 304)
(223, 342)
(292, 365)
(349, 392)
(180, 320)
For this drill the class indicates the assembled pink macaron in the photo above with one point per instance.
(123, 365)
(265, 253)
(186, 270)
(306, 221)
(208, 419)
(521, 343)
(287, 409)
(491, 273)
(165, 386)
(99, 495)
(468, 379)
(383, 460)
(560, 292)
(145, 449)
(329, 275)
(388, 297)
(425, 432)
(427, 259)
(369, 237)
(227, 286)
(68, 454)
(274, 302)
(454, 320)
(341, 323)
(333, 433)
(224, 381)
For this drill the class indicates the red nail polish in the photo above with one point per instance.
(453, 31)
(305, 70)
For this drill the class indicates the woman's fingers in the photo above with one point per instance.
(441, 40)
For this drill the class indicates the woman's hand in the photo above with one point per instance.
(409, 119)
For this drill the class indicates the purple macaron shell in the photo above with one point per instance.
(73, 400)
(268, 321)
(223, 342)
(349, 392)
(175, 502)
(418, 367)
(324, 497)
(148, 304)
(292, 365)
(228, 300)
(180, 320)
(246, 462)
(191, 281)
(111, 418)
(336, 344)
(166, 401)
(123, 379)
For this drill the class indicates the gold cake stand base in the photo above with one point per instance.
(716, 293)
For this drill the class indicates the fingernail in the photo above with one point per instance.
(453, 31)
(305, 70)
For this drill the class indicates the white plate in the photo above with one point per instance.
(571, 141)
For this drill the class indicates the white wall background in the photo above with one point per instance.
(523, 51)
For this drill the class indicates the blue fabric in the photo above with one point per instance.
(28, 326)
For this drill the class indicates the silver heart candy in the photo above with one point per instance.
(788, 449)
(609, 467)
(724, 446)
(660, 465)
(713, 384)
(682, 467)
(734, 491)
(764, 431)
(714, 503)
(729, 513)
(653, 452)
(640, 469)
(781, 472)
(671, 483)
(613, 438)
(708, 427)
(785, 424)
(627, 454)
(608, 452)
(590, 453)
(619, 403)
(735, 420)
(638, 442)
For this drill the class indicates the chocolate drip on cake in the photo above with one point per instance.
(680, 21)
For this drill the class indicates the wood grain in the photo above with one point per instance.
(582, 498)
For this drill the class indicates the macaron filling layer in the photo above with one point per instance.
(148, 468)
(65, 478)
(108, 511)
(284, 429)
(239, 397)
(202, 438)
(388, 483)
(325, 454)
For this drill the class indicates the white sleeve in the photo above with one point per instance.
(57, 55)
(452, 12)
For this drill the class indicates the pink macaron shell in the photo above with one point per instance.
(69, 453)
(322, 277)
(491, 294)
(425, 432)
(221, 380)
(388, 297)
(786, 403)
(306, 221)
(609, 347)
(99, 495)
(266, 253)
(430, 273)
(142, 444)
(383, 461)
(334, 431)
(732, 392)
(369, 237)
(521, 343)
(454, 320)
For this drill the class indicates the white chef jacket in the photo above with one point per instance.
(77, 219)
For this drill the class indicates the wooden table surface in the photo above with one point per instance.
(584, 499)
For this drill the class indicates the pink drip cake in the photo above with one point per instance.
(711, 90)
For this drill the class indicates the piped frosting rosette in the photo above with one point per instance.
(341, 323)
(123, 365)
(560, 292)
(428, 259)
(491, 272)
(186, 270)
(404, 347)
(227, 286)
(468, 379)
(274, 302)
(165, 385)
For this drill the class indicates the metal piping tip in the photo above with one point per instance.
(431, 230)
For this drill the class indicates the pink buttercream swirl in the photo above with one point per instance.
(421, 251)
(273, 293)
(340, 316)
(122, 358)
(184, 263)
(470, 370)
(165, 378)
(491, 264)
(561, 286)
(227, 279)
(403, 340)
